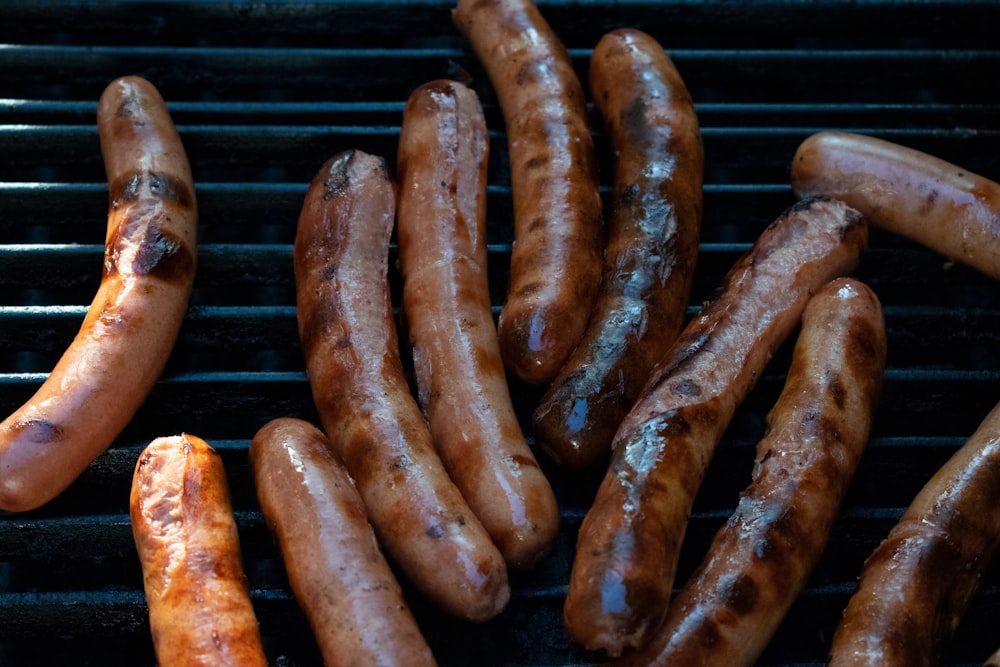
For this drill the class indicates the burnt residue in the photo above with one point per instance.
(140, 246)
(40, 431)
(132, 186)
(338, 179)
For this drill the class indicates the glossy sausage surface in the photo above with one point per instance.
(555, 265)
(628, 543)
(443, 150)
(130, 328)
(651, 251)
(729, 609)
(334, 563)
(924, 198)
(361, 393)
(200, 612)
(916, 585)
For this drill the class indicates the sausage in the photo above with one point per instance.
(651, 252)
(111, 365)
(816, 432)
(932, 561)
(928, 200)
(628, 543)
(555, 265)
(362, 396)
(200, 611)
(443, 150)
(335, 566)
(993, 660)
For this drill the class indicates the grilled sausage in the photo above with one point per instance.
(555, 265)
(651, 252)
(335, 566)
(200, 612)
(131, 326)
(940, 205)
(759, 561)
(916, 585)
(358, 384)
(628, 543)
(443, 151)
(993, 660)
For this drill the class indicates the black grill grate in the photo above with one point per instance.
(264, 93)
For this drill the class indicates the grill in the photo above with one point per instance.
(263, 93)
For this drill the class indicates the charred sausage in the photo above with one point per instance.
(555, 264)
(916, 585)
(443, 150)
(928, 200)
(361, 393)
(200, 612)
(652, 247)
(759, 561)
(130, 328)
(335, 566)
(628, 544)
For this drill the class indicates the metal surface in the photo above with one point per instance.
(264, 93)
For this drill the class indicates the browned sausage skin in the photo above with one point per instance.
(928, 200)
(556, 259)
(200, 612)
(335, 566)
(931, 561)
(628, 543)
(362, 396)
(759, 561)
(652, 247)
(132, 324)
(443, 149)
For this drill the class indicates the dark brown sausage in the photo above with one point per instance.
(652, 247)
(200, 612)
(915, 587)
(132, 324)
(943, 206)
(335, 566)
(363, 399)
(443, 149)
(556, 260)
(629, 541)
(759, 561)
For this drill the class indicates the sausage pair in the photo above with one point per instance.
(629, 541)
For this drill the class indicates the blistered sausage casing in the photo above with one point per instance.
(555, 264)
(651, 250)
(443, 150)
(629, 541)
(130, 328)
(758, 563)
(924, 198)
(335, 566)
(362, 396)
(200, 612)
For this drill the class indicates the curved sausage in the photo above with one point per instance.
(200, 612)
(940, 205)
(555, 265)
(628, 543)
(443, 150)
(931, 562)
(334, 563)
(760, 560)
(361, 393)
(132, 324)
(652, 248)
